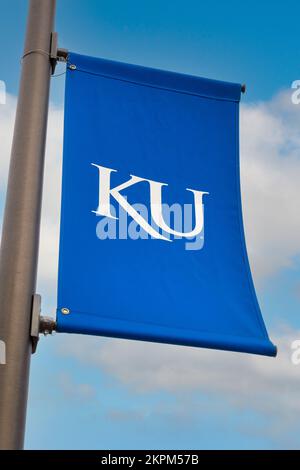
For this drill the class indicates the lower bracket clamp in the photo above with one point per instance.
(39, 324)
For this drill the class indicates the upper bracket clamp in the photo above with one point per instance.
(57, 54)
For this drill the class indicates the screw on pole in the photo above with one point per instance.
(47, 325)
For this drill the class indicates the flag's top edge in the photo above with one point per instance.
(156, 78)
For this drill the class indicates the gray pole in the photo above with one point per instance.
(21, 225)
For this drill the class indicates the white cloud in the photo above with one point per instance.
(49, 240)
(270, 171)
(7, 118)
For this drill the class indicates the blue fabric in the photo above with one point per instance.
(173, 129)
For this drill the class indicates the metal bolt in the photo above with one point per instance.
(65, 311)
(72, 67)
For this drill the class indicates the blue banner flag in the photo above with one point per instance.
(152, 244)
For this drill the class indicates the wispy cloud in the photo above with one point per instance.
(243, 379)
(72, 389)
(242, 383)
(48, 258)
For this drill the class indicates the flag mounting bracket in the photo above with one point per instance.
(57, 54)
(39, 324)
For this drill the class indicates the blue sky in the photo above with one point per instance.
(82, 392)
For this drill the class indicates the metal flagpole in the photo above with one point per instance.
(21, 226)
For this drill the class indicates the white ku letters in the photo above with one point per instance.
(106, 192)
